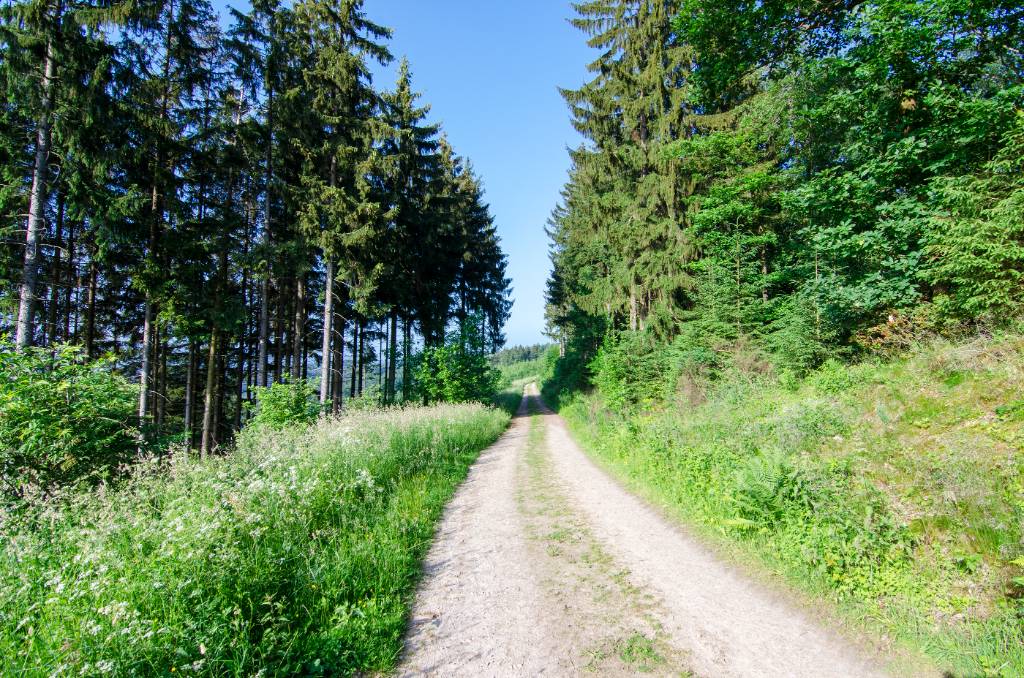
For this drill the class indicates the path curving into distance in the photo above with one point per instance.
(544, 565)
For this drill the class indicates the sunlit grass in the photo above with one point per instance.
(296, 555)
(893, 489)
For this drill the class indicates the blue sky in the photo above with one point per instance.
(491, 70)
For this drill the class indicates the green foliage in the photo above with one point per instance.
(298, 554)
(839, 164)
(519, 354)
(450, 374)
(978, 241)
(63, 420)
(628, 369)
(286, 404)
(457, 371)
(511, 372)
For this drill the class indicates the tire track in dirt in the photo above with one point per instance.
(543, 565)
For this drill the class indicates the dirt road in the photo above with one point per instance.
(543, 565)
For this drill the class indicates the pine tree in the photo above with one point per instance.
(338, 207)
(630, 112)
(50, 31)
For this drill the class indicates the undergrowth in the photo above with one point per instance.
(296, 555)
(893, 488)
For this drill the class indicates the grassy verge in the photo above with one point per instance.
(894, 490)
(296, 555)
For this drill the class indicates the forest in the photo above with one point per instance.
(211, 205)
(813, 178)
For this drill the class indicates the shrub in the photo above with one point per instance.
(282, 405)
(63, 420)
(458, 371)
(454, 375)
(630, 369)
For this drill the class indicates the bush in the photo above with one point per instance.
(630, 369)
(458, 371)
(63, 420)
(282, 405)
(454, 375)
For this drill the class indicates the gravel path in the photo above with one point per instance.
(545, 566)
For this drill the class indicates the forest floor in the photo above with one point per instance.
(545, 565)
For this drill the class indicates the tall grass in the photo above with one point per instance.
(296, 555)
(895, 489)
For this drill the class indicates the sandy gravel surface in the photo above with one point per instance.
(543, 565)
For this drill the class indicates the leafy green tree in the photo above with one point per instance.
(457, 371)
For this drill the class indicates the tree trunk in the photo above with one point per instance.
(190, 381)
(161, 381)
(392, 359)
(362, 357)
(147, 350)
(206, 444)
(279, 337)
(338, 371)
(73, 286)
(37, 205)
(55, 272)
(406, 350)
(355, 358)
(90, 317)
(299, 328)
(764, 274)
(268, 239)
(634, 315)
(327, 354)
(264, 336)
(145, 376)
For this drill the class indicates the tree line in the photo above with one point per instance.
(809, 176)
(221, 209)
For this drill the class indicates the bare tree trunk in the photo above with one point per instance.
(90, 317)
(634, 315)
(73, 286)
(264, 337)
(37, 205)
(147, 350)
(222, 389)
(268, 239)
(361, 357)
(355, 358)
(326, 360)
(55, 272)
(279, 336)
(161, 381)
(392, 359)
(206, 445)
(406, 350)
(298, 337)
(338, 371)
(190, 379)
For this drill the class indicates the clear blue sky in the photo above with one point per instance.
(491, 70)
